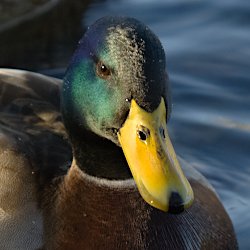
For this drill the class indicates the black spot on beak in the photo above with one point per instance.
(175, 203)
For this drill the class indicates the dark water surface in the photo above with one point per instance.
(208, 58)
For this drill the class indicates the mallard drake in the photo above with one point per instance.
(122, 187)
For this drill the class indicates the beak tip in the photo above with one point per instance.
(176, 204)
(172, 205)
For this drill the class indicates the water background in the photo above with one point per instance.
(208, 60)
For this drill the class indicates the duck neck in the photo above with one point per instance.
(96, 213)
(100, 157)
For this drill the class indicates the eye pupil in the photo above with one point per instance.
(102, 70)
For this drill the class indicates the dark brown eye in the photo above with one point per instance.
(102, 70)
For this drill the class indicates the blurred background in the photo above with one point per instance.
(207, 44)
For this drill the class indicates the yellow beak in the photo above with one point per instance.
(152, 160)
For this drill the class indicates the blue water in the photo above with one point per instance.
(208, 59)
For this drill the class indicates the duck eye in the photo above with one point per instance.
(102, 70)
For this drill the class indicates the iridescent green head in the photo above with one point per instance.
(117, 59)
(116, 92)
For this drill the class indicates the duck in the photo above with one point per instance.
(87, 162)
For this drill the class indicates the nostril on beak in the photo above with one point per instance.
(175, 203)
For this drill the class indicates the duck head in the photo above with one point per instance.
(116, 89)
